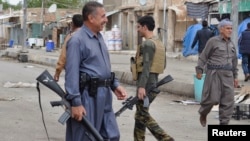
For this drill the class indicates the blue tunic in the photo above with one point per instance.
(88, 53)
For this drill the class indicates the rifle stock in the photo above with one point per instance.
(46, 79)
(131, 101)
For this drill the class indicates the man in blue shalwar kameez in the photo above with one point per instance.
(88, 54)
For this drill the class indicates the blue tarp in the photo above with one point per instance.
(242, 26)
(191, 31)
(188, 40)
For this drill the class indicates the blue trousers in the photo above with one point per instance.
(101, 115)
(245, 65)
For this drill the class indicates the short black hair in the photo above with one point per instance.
(90, 8)
(77, 20)
(248, 25)
(148, 21)
(204, 23)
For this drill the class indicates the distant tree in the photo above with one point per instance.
(38, 3)
(34, 3)
(60, 3)
(68, 3)
(18, 6)
(7, 5)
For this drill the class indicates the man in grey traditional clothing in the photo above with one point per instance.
(221, 76)
(88, 79)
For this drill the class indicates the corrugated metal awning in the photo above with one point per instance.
(112, 12)
(128, 7)
(144, 8)
(7, 16)
(66, 20)
(181, 12)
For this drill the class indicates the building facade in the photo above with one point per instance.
(170, 17)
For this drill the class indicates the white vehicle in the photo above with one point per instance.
(36, 42)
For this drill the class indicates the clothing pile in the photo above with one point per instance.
(244, 96)
(242, 104)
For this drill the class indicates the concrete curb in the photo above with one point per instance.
(173, 87)
(39, 59)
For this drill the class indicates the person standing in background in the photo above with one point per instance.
(77, 22)
(220, 59)
(202, 36)
(244, 50)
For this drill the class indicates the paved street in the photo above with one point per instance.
(33, 32)
(181, 68)
(21, 117)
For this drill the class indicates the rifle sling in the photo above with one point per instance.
(40, 105)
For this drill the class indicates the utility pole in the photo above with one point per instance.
(164, 22)
(23, 57)
(24, 49)
(42, 13)
(235, 21)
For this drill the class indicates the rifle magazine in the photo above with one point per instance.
(64, 117)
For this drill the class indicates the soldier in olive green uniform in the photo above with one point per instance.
(150, 62)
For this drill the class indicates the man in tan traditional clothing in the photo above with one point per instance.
(221, 76)
(77, 22)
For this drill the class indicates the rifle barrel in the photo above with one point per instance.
(92, 129)
(129, 103)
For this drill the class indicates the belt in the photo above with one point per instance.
(222, 67)
(103, 83)
(85, 80)
(94, 82)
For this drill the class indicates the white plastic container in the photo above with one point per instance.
(116, 32)
(111, 44)
(109, 35)
(118, 45)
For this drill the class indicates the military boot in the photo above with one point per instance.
(247, 76)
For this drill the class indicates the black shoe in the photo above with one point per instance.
(171, 139)
(247, 76)
(203, 120)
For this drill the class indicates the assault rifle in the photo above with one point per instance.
(46, 79)
(131, 101)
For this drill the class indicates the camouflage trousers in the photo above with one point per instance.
(144, 120)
